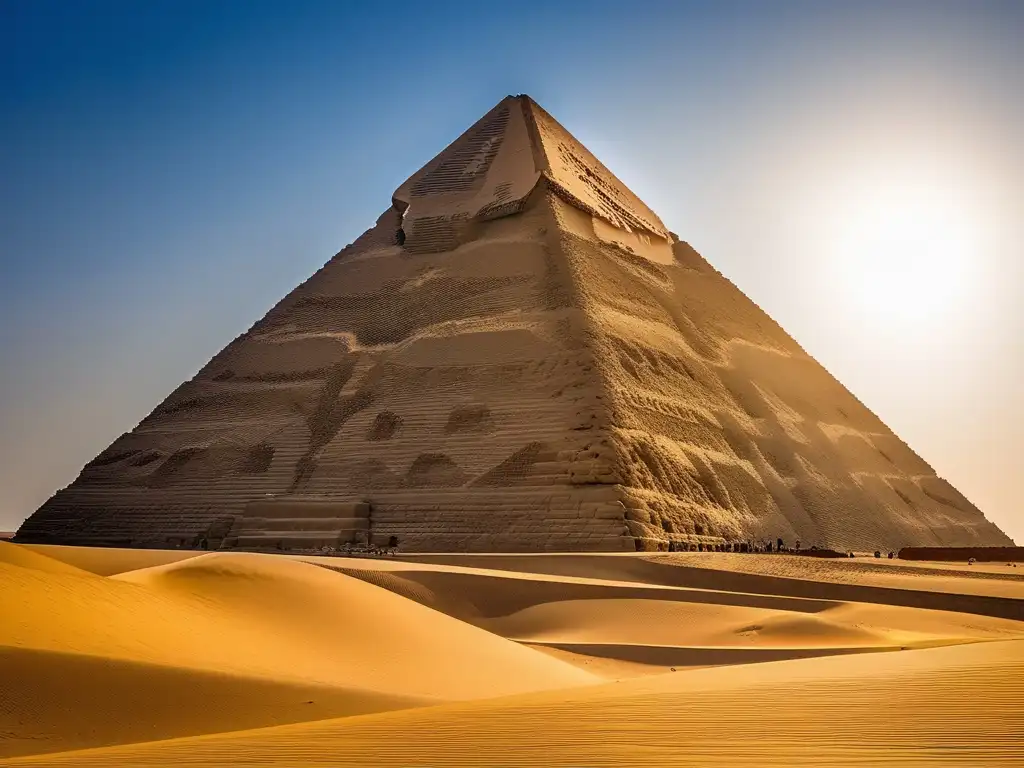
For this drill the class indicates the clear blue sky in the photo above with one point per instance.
(169, 169)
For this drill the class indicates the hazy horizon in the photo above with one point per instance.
(171, 171)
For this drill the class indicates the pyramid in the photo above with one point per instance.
(518, 356)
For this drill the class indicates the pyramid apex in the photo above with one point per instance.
(492, 168)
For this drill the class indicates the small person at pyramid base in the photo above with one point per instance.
(519, 356)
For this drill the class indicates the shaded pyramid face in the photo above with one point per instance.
(518, 356)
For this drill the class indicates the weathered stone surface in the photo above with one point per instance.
(518, 356)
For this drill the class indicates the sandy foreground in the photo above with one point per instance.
(149, 658)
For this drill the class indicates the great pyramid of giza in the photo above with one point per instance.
(517, 356)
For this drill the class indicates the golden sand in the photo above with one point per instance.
(151, 658)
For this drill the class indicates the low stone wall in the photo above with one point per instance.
(981, 554)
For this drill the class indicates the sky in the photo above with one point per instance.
(170, 169)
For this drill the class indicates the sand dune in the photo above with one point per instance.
(266, 633)
(24, 557)
(536, 660)
(107, 561)
(363, 634)
(993, 594)
(244, 614)
(652, 622)
(980, 579)
(962, 705)
(615, 661)
(610, 626)
(53, 702)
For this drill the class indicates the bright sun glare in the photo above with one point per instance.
(906, 253)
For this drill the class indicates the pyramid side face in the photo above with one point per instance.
(495, 166)
(444, 398)
(487, 173)
(723, 428)
(583, 181)
(518, 356)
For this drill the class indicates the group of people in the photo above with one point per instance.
(369, 548)
(765, 546)
(733, 546)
